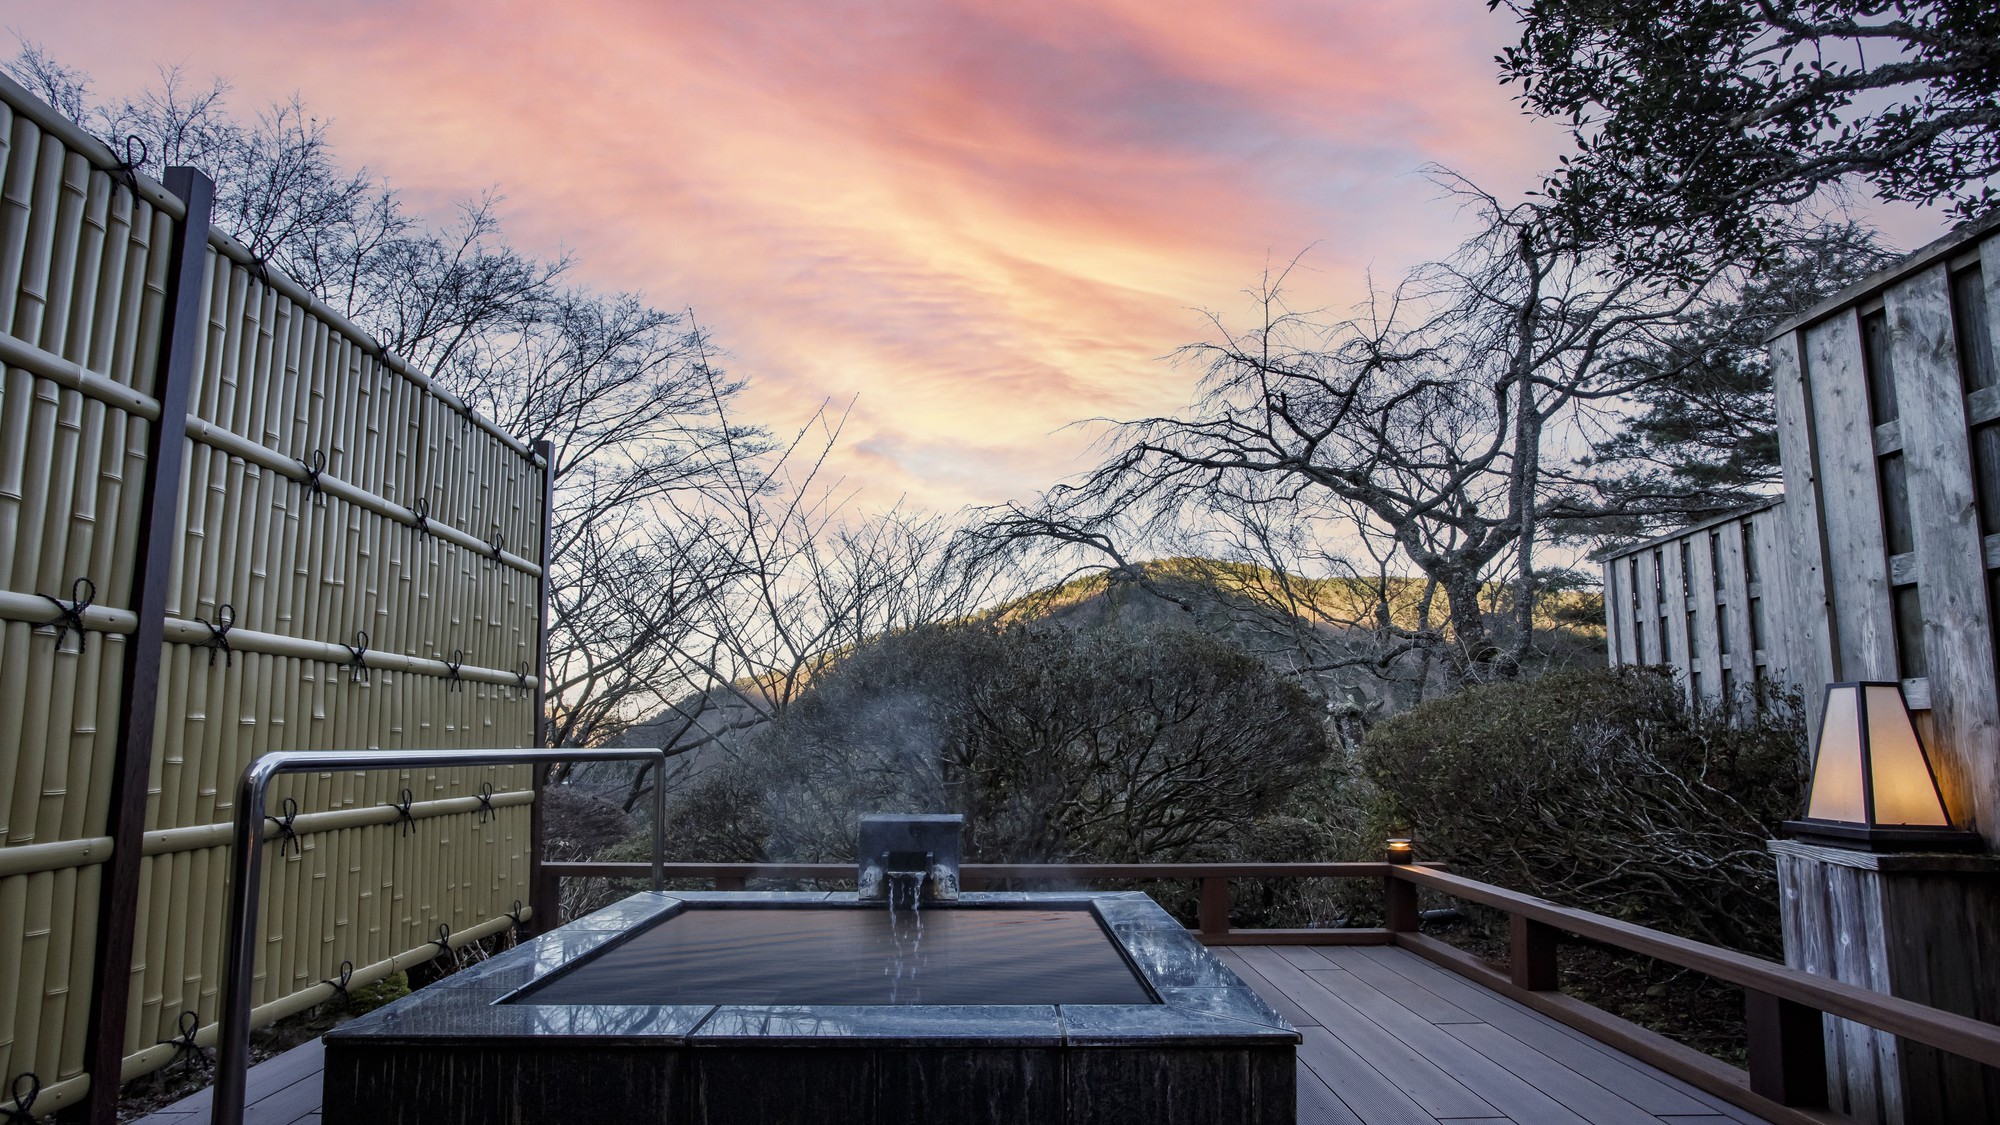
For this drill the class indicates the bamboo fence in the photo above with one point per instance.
(355, 565)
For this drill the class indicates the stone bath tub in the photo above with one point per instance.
(725, 1007)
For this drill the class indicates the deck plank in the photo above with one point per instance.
(1642, 1083)
(1412, 994)
(1271, 993)
(1577, 1092)
(1319, 1105)
(1420, 1078)
(1509, 1092)
(1366, 1092)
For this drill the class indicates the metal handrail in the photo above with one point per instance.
(232, 1066)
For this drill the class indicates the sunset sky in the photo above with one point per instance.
(985, 220)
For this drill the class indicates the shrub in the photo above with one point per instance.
(1601, 789)
(1059, 745)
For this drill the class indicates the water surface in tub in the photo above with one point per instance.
(941, 955)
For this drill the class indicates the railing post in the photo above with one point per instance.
(1214, 917)
(544, 895)
(1399, 909)
(1532, 953)
(158, 531)
(1787, 1049)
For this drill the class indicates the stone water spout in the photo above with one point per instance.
(909, 859)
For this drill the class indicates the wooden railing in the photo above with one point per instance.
(1211, 882)
(1786, 1080)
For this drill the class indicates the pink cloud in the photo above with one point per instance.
(986, 220)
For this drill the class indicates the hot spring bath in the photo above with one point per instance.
(724, 1007)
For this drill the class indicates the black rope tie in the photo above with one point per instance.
(496, 545)
(486, 810)
(341, 982)
(125, 169)
(443, 942)
(259, 267)
(409, 822)
(451, 668)
(313, 467)
(185, 1048)
(27, 1087)
(515, 914)
(357, 668)
(287, 837)
(218, 635)
(420, 515)
(69, 615)
(521, 676)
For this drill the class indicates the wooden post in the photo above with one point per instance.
(119, 903)
(1787, 1049)
(1400, 905)
(544, 895)
(1214, 916)
(1532, 954)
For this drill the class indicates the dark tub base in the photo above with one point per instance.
(897, 1086)
(1209, 1053)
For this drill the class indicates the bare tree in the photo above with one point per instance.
(796, 583)
(1437, 429)
(628, 394)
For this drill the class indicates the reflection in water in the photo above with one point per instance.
(832, 955)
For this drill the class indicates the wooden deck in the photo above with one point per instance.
(1390, 1039)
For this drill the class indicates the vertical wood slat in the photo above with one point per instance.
(1673, 613)
(1704, 652)
(120, 883)
(1797, 591)
(1734, 589)
(1950, 553)
(1617, 618)
(1628, 590)
(1851, 511)
(1649, 611)
(1809, 941)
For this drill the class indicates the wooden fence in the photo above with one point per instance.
(1881, 562)
(230, 524)
(1711, 600)
(1882, 559)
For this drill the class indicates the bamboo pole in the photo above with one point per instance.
(34, 277)
(72, 199)
(57, 981)
(76, 1017)
(16, 408)
(16, 201)
(13, 936)
(31, 565)
(87, 301)
(114, 281)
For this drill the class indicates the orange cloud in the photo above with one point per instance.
(985, 220)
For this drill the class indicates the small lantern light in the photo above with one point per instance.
(1872, 785)
(1401, 850)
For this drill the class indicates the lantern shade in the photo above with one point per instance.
(1872, 785)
